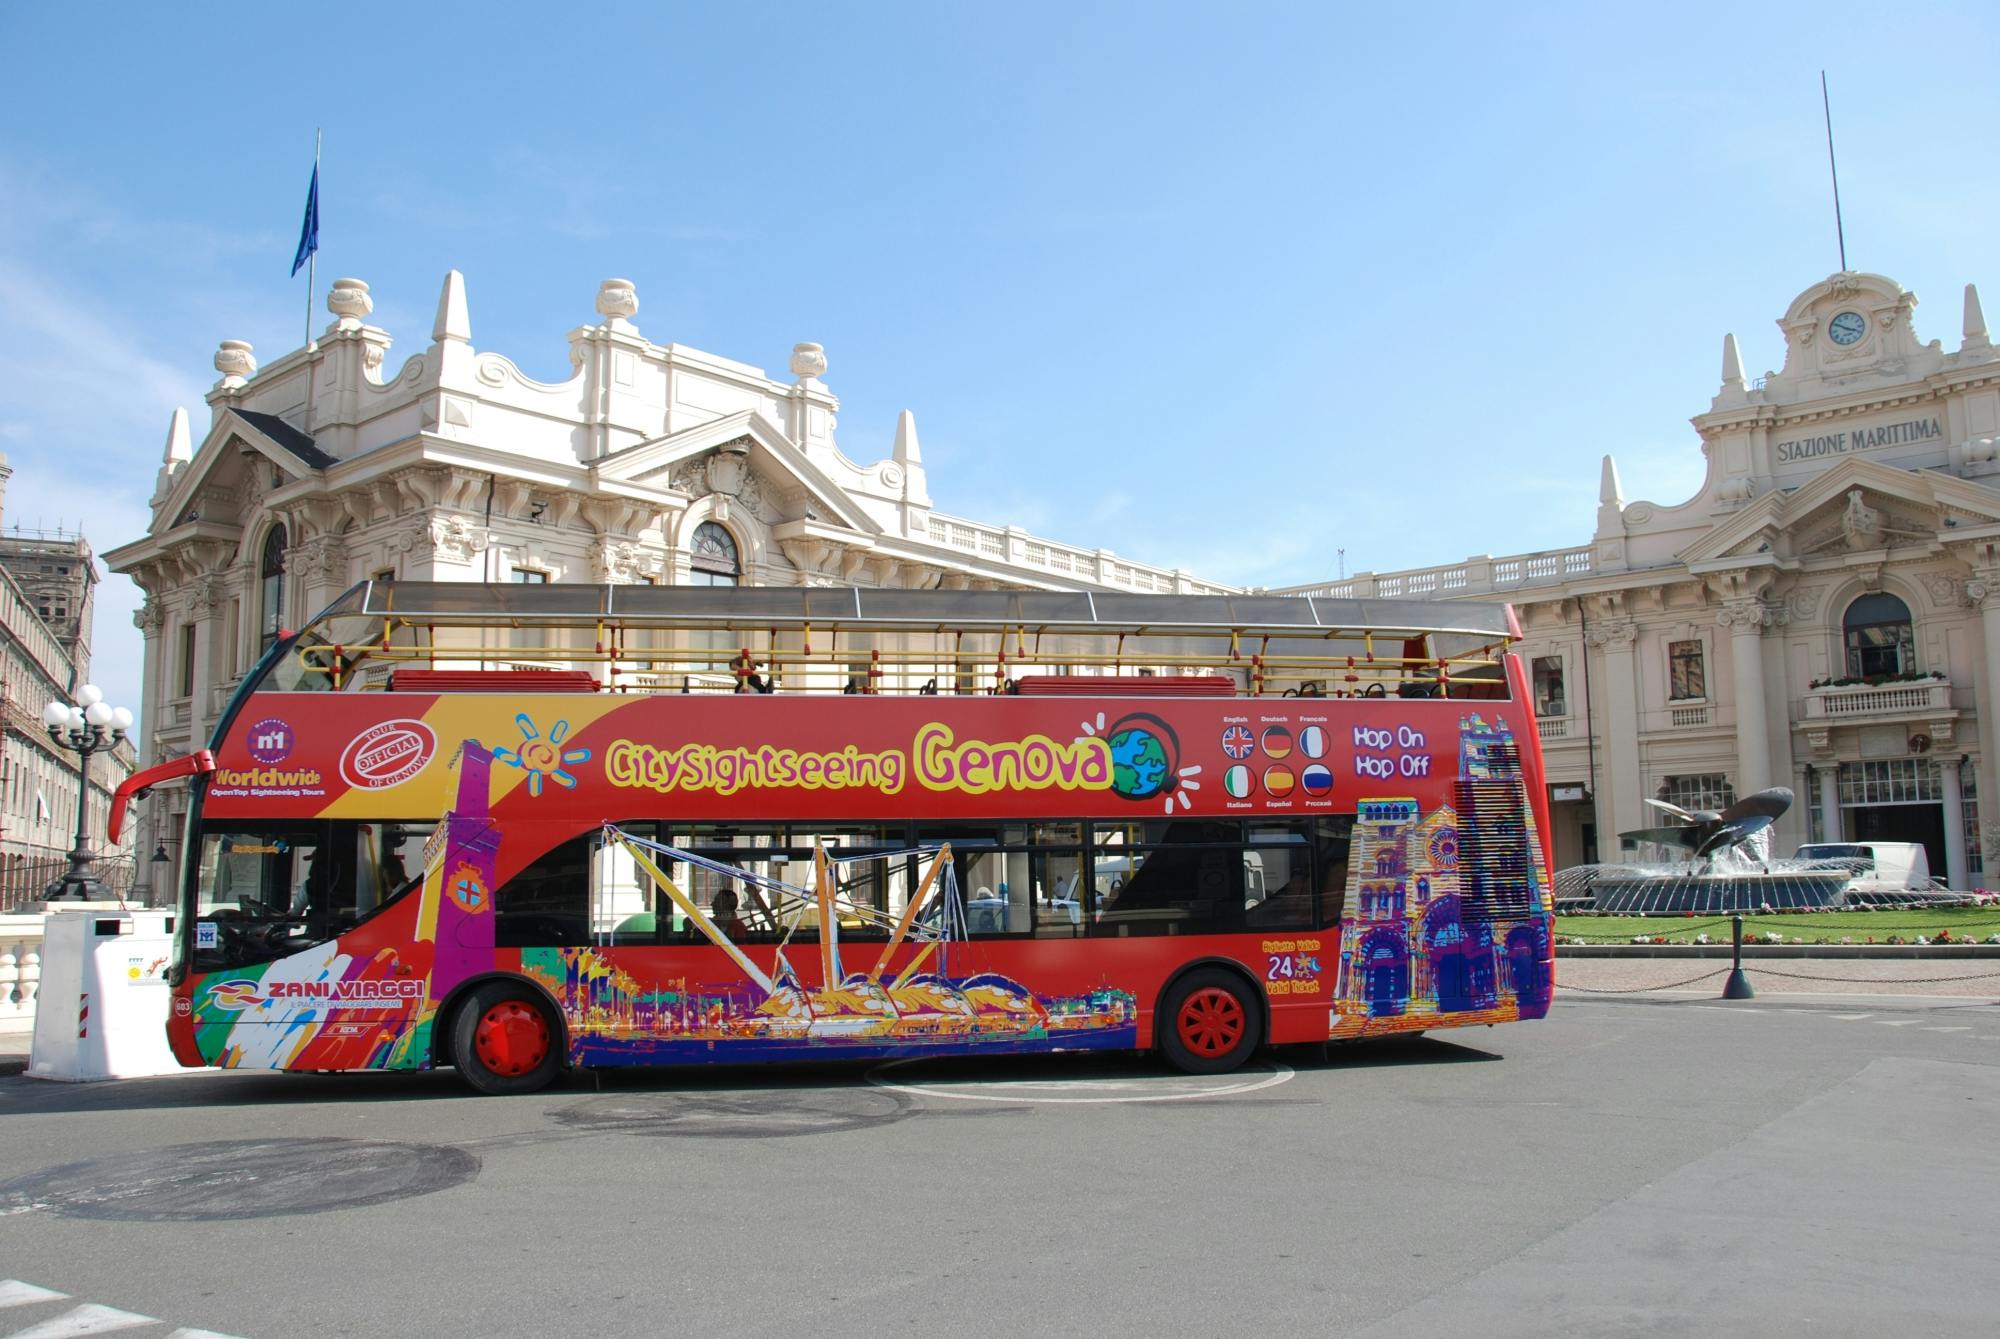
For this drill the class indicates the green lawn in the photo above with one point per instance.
(1828, 927)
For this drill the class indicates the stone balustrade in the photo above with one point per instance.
(1009, 544)
(1474, 576)
(20, 972)
(1846, 701)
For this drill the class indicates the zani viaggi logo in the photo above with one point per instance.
(242, 993)
(1145, 760)
(388, 754)
(233, 995)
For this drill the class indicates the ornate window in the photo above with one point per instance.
(1686, 675)
(1890, 781)
(1879, 635)
(713, 560)
(1704, 790)
(271, 579)
(1550, 699)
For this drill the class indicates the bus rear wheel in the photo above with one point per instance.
(504, 1042)
(1208, 1022)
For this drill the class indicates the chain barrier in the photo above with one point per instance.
(1874, 980)
(1795, 976)
(1640, 990)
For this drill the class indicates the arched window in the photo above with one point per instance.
(271, 581)
(1880, 639)
(713, 560)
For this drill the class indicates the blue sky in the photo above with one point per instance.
(1225, 287)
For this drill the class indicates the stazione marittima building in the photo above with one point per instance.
(1824, 614)
(649, 463)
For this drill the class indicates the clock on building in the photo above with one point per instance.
(1847, 328)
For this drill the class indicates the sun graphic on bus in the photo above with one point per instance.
(1145, 757)
(540, 757)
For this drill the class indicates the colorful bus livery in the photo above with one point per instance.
(1330, 831)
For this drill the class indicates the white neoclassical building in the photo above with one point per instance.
(651, 462)
(1823, 614)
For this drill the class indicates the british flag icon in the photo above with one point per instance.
(1237, 741)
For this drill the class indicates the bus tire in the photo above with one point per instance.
(504, 1041)
(1209, 1022)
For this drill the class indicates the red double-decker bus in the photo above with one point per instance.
(518, 829)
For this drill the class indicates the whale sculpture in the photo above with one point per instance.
(1704, 832)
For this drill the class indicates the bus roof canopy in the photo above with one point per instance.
(857, 609)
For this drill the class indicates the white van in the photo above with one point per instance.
(1889, 864)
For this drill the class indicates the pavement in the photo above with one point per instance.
(1657, 1164)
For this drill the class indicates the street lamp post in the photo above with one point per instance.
(90, 726)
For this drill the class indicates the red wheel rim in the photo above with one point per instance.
(1210, 1022)
(512, 1038)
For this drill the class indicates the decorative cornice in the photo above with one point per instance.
(1616, 636)
(1752, 613)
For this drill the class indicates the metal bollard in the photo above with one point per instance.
(1737, 987)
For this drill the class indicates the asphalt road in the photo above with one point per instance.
(1630, 1167)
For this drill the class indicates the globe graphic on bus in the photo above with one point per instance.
(1140, 767)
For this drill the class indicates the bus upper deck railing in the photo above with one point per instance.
(792, 639)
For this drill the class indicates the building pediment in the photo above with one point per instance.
(742, 455)
(245, 456)
(1857, 506)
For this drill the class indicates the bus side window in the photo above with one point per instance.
(1277, 878)
(1332, 838)
(547, 905)
(1183, 876)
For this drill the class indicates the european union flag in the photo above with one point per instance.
(309, 230)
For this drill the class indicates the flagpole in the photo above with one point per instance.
(1839, 228)
(312, 279)
(312, 261)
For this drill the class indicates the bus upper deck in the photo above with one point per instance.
(644, 638)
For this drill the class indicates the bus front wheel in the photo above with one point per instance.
(1208, 1022)
(503, 1040)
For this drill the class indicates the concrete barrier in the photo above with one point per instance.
(102, 1006)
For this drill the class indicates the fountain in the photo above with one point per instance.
(1727, 867)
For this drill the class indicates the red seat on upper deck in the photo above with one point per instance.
(1125, 685)
(492, 681)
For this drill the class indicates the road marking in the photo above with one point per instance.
(1896, 1022)
(1852, 1018)
(89, 1318)
(1947, 1029)
(1280, 1074)
(13, 1292)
